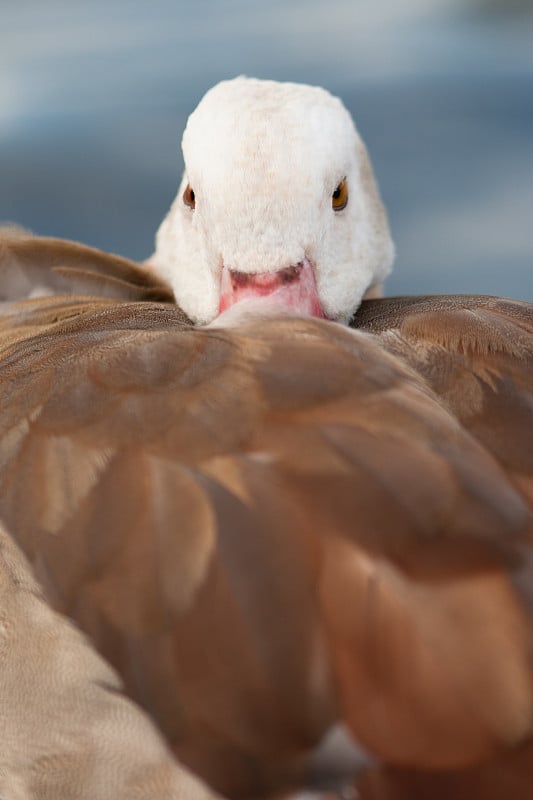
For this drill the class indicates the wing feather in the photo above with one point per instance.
(39, 266)
(269, 528)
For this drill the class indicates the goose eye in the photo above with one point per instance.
(188, 197)
(339, 198)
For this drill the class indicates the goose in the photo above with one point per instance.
(278, 201)
(273, 527)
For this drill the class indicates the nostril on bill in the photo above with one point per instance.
(291, 274)
(239, 280)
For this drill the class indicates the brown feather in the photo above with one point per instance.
(53, 266)
(271, 528)
(68, 730)
(507, 775)
(476, 353)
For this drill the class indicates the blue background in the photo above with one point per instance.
(94, 96)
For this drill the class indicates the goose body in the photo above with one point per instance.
(272, 530)
(271, 526)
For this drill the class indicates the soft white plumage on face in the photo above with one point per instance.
(264, 159)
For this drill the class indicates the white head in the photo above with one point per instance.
(260, 197)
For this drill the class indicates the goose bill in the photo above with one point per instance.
(291, 289)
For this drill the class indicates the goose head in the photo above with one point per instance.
(278, 204)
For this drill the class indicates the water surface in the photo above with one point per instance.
(93, 99)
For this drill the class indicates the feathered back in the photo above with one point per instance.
(272, 528)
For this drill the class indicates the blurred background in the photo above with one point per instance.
(94, 96)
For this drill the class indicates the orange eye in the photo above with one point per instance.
(339, 198)
(188, 197)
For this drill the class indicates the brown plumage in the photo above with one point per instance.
(270, 528)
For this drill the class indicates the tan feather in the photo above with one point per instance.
(276, 527)
(68, 731)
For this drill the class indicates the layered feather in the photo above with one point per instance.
(275, 527)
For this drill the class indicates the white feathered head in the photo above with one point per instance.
(278, 200)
